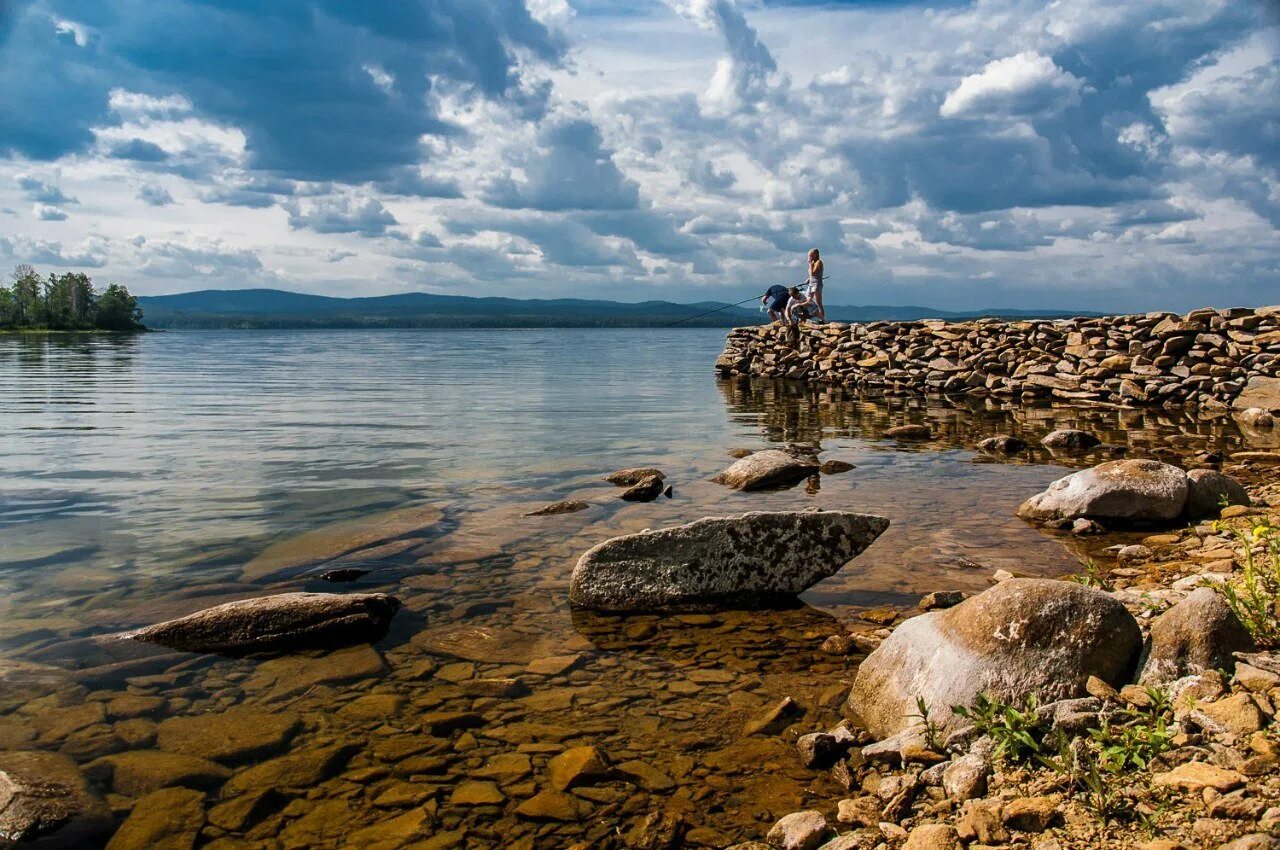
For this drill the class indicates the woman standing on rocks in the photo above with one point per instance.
(816, 274)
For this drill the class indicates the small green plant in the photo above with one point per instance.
(1092, 575)
(1016, 730)
(1255, 595)
(930, 729)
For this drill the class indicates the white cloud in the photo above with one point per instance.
(1023, 83)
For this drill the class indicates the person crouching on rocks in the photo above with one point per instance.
(798, 306)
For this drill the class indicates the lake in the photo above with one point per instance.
(146, 477)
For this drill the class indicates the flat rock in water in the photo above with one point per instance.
(645, 490)
(280, 622)
(835, 467)
(1002, 444)
(1119, 490)
(484, 644)
(909, 432)
(337, 539)
(1070, 440)
(556, 508)
(721, 561)
(632, 475)
(237, 734)
(771, 468)
(45, 801)
(1024, 636)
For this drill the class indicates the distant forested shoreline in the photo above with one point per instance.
(66, 302)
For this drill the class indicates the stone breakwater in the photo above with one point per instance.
(1215, 359)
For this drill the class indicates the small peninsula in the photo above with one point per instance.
(66, 302)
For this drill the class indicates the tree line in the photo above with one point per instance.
(66, 302)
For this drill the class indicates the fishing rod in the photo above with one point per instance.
(718, 309)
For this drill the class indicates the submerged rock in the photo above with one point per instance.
(1023, 636)
(1124, 490)
(1002, 444)
(721, 561)
(1070, 440)
(570, 506)
(283, 621)
(45, 802)
(646, 490)
(633, 475)
(771, 468)
(835, 467)
(909, 432)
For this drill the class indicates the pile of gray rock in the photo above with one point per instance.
(1211, 358)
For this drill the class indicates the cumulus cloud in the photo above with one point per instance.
(42, 191)
(1024, 83)
(45, 212)
(568, 169)
(90, 253)
(341, 214)
(154, 195)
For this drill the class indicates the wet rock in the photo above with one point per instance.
(302, 769)
(1261, 392)
(236, 734)
(645, 490)
(299, 673)
(1118, 490)
(577, 766)
(341, 575)
(721, 561)
(1070, 440)
(399, 832)
(46, 802)
(1199, 633)
(837, 645)
(1002, 444)
(339, 538)
(656, 831)
(738, 454)
(143, 771)
(933, 836)
(1209, 492)
(1087, 528)
(633, 475)
(771, 717)
(1133, 552)
(549, 804)
(280, 622)
(835, 467)
(766, 469)
(165, 820)
(820, 750)
(909, 432)
(799, 831)
(644, 775)
(570, 506)
(242, 812)
(1023, 636)
(473, 793)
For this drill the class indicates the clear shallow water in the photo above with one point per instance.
(140, 476)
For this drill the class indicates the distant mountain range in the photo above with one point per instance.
(275, 308)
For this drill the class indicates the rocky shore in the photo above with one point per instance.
(1129, 706)
(1213, 359)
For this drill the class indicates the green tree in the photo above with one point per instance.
(28, 297)
(8, 308)
(117, 310)
(69, 301)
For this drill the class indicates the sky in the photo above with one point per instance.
(1074, 154)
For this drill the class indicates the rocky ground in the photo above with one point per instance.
(1178, 761)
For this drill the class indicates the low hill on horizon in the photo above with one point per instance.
(276, 308)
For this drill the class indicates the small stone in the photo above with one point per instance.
(933, 836)
(165, 820)
(966, 777)
(633, 475)
(1095, 687)
(473, 793)
(1196, 776)
(1030, 814)
(837, 645)
(577, 766)
(1070, 440)
(645, 490)
(771, 716)
(835, 467)
(980, 821)
(819, 750)
(1239, 714)
(1254, 679)
(1086, 528)
(942, 599)
(799, 831)
(1133, 552)
(1236, 806)
(909, 432)
(554, 665)
(549, 804)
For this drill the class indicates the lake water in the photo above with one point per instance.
(144, 478)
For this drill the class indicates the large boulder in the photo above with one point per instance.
(1119, 490)
(280, 622)
(1209, 492)
(1023, 636)
(45, 802)
(1199, 633)
(1261, 392)
(766, 469)
(721, 561)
